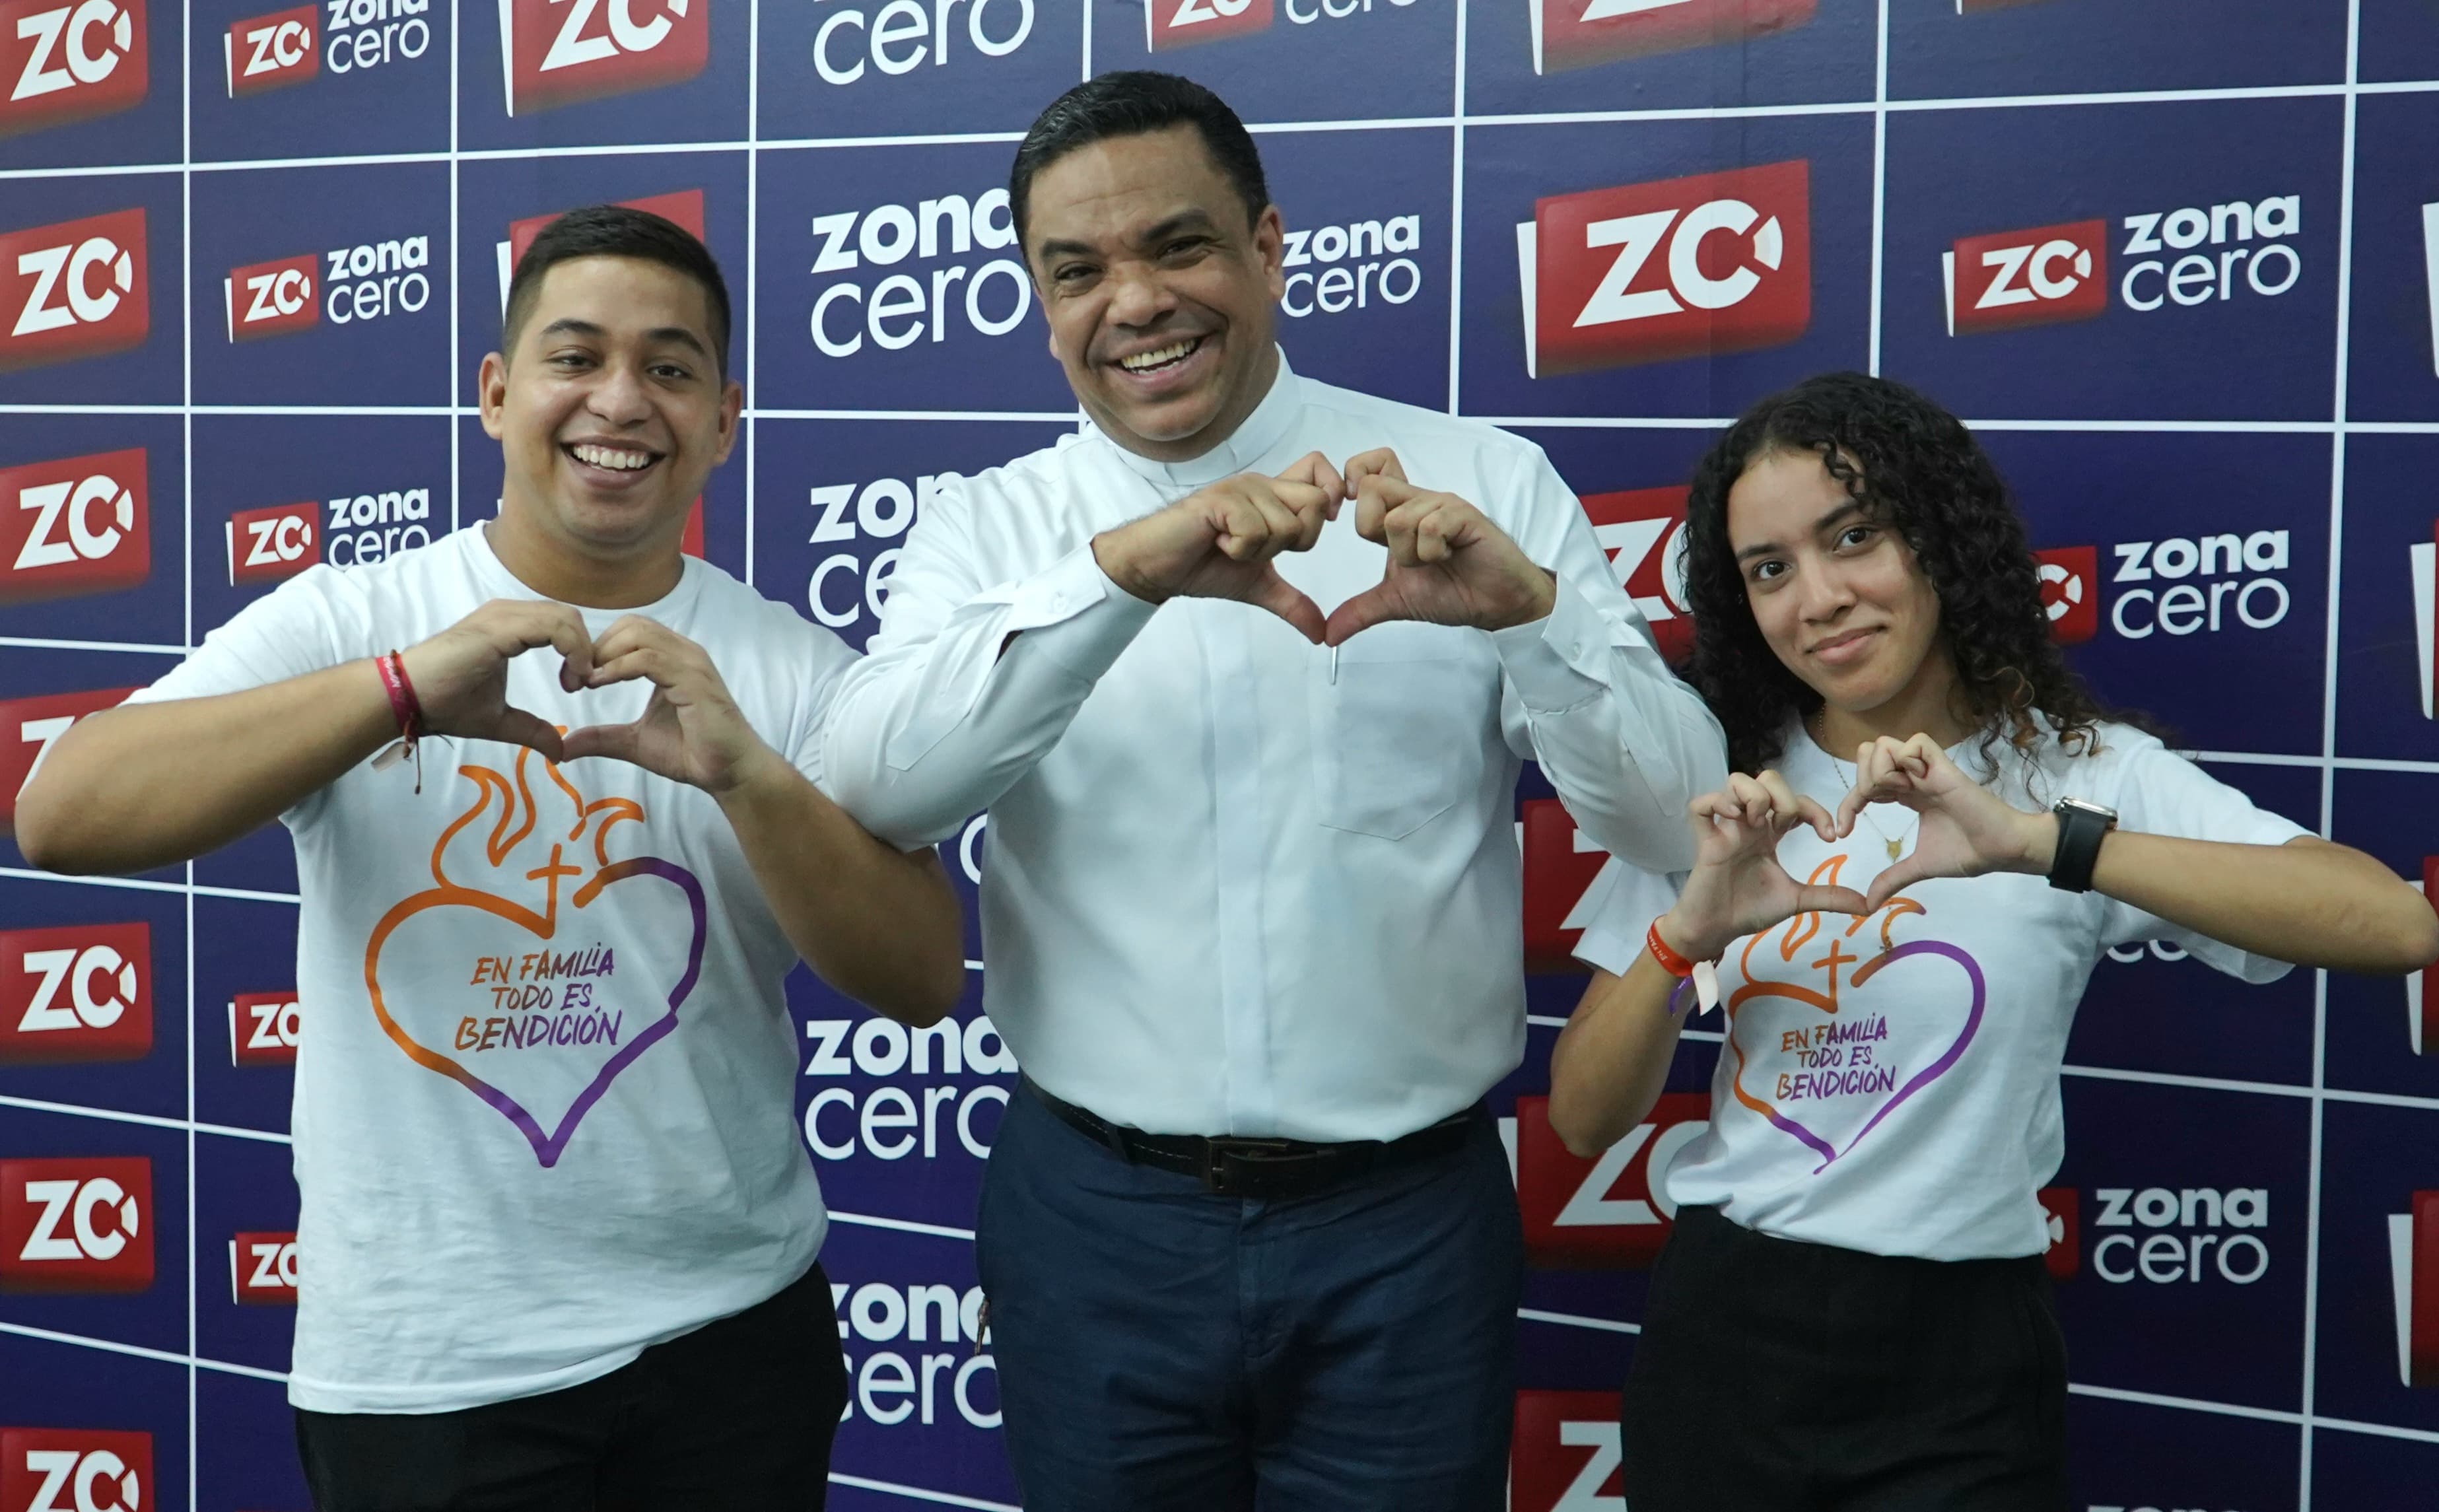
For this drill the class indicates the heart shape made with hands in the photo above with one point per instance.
(1448, 562)
(1833, 1082)
(487, 977)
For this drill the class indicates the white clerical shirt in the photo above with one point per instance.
(1237, 884)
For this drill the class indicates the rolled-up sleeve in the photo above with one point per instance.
(1626, 744)
(946, 710)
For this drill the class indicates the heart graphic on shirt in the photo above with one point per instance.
(1848, 1011)
(490, 977)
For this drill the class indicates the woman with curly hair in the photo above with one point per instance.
(1930, 833)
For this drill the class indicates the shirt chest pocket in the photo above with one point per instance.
(1402, 730)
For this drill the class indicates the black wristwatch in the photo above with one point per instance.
(2080, 824)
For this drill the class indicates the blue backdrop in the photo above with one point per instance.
(2178, 263)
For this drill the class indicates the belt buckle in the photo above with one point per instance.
(1223, 1179)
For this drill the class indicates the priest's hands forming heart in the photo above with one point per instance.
(1737, 887)
(1964, 829)
(1218, 541)
(461, 675)
(1447, 563)
(690, 731)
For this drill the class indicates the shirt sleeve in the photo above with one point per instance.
(2163, 793)
(1626, 744)
(312, 621)
(828, 659)
(967, 684)
(1622, 902)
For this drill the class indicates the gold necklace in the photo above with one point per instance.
(1819, 723)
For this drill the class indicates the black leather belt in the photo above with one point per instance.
(1269, 1170)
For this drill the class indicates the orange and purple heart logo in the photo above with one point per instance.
(537, 982)
(1830, 1079)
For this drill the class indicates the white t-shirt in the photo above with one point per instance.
(1891, 1084)
(544, 1108)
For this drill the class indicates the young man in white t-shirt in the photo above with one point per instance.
(557, 1230)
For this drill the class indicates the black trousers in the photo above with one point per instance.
(735, 1415)
(1803, 1377)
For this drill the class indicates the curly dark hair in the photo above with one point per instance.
(1919, 470)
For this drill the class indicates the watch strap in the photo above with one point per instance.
(2080, 828)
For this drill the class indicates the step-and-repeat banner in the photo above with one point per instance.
(2178, 264)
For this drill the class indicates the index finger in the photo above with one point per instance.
(524, 624)
(1314, 468)
(1381, 461)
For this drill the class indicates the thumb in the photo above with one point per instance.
(521, 728)
(1900, 875)
(1373, 606)
(616, 741)
(1275, 593)
(1831, 900)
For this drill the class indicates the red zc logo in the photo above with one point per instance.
(1647, 273)
(1170, 24)
(266, 545)
(268, 51)
(1643, 533)
(264, 1028)
(1579, 33)
(2064, 1210)
(563, 51)
(1561, 864)
(72, 290)
(1567, 1453)
(2008, 279)
(76, 1226)
(28, 728)
(74, 1470)
(1604, 1214)
(77, 525)
(272, 299)
(2071, 592)
(66, 62)
(262, 1270)
(79, 992)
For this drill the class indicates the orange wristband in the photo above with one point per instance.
(1670, 962)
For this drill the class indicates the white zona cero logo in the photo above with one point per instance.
(75, 1207)
(1357, 261)
(2178, 1253)
(1636, 237)
(68, 33)
(626, 34)
(885, 1125)
(94, 1481)
(2198, 277)
(901, 37)
(74, 504)
(377, 36)
(898, 307)
(68, 272)
(385, 281)
(76, 971)
(881, 1313)
(2258, 602)
(883, 509)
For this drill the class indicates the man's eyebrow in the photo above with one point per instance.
(1842, 511)
(679, 335)
(570, 326)
(1182, 221)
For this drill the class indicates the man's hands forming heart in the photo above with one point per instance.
(1447, 563)
(690, 731)
(1218, 541)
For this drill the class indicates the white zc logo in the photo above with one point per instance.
(45, 546)
(1194, 13)
(83, 1477)
(275, 1025)
(42, 734)
(1590, 1208)
(82, 304)
(274, 1265)
(2037, 265)
(75, 1203)
(278, 294)
(77, 970)
(1636, 237)
(1608, 1444)
(84, 66)
(567, 49)
(271, 542)
(284, 45)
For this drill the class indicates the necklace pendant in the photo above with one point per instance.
(1892, 850)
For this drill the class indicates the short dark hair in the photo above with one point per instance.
(1129, 103)
(615, 231)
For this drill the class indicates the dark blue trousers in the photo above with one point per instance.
(1159, 1348)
